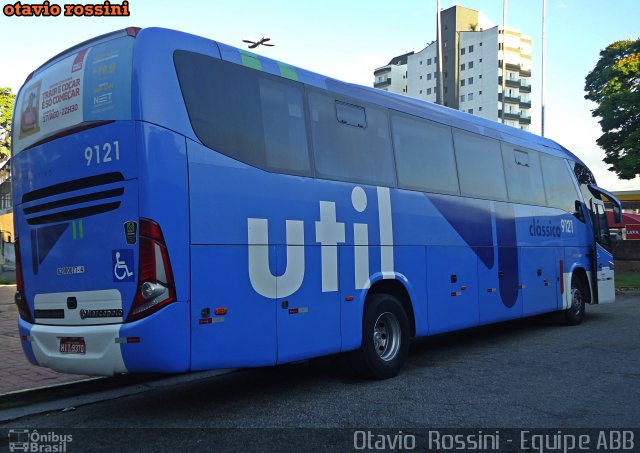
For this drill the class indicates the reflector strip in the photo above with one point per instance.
(122, 340)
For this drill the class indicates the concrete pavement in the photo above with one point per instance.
(16, 373)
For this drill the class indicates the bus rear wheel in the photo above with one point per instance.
(575, 314)
(385, 338)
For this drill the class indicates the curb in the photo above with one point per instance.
(46, 393)
(68, 396)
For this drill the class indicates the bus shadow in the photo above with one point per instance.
(436, 350)
(255, 386)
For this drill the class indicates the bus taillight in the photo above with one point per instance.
(20, 299)
(155, 288)
(133, 31)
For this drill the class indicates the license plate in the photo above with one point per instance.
(73, 345)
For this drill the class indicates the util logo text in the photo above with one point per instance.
(329, 233)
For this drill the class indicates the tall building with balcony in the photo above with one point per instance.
(473, 51)
(393, 76)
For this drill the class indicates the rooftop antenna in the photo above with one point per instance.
(253, 43)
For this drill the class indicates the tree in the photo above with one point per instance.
(614, 84)
(7, 99)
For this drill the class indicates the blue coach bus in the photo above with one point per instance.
(181, 204)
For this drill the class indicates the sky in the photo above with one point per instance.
(348, 39)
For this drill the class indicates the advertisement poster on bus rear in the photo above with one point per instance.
(53, 100)
(90, 85)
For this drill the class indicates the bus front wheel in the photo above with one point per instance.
(575, 314)
(385, 338)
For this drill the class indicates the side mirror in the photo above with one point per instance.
(617, 206)
(617, 214)
(578, 213)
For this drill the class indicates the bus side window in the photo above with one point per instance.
(248, 115)
(357, 154)
(285, 133)
(524, 179)
(558, 183)
(424, 155)
(479, 166)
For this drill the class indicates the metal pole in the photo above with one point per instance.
(504, 54)
(440, 95)
(544, 18)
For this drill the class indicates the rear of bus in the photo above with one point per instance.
(102, 272)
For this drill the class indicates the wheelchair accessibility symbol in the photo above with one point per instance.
(122, 263)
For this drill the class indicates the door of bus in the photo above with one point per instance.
(603, 257)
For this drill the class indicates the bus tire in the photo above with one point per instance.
(385, 338)
(575, 314)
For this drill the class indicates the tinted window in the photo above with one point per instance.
(524, 179)
(479, 166)
(558, 184)
(352, 115)
(583, 174)
(585, 177)
(424, 155)
(246, 114)
(348, 153)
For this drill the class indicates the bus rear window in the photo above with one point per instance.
(92, 84)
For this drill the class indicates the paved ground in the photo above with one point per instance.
(16, 373)
(525, 374)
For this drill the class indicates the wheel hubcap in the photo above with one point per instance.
(577, 304)
(386, 336)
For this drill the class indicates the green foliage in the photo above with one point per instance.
(614, 84)
(7, 99)
(627, 280)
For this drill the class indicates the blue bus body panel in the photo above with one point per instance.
(76, 254)
(542, 279)
(246, 335)
(155, 86)
(452, 287)
(463, 261)
(268, 268)
(164, 195)
(309, 320)
(75, 258)
(165, 343)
